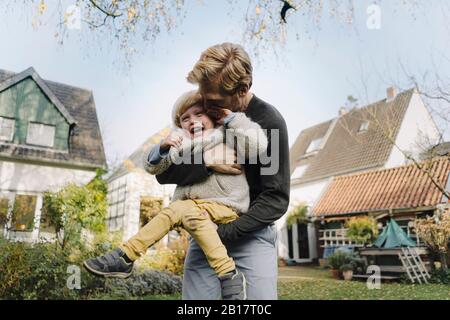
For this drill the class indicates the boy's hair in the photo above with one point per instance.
(226, 64)
(183, 103)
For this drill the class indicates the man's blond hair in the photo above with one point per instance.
(227, 65)
(183, 103)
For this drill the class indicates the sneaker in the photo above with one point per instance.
(234, 286)
(111, 264)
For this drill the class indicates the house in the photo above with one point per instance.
(134, 194)
(49, 136)
(357, 140)
(402, 193)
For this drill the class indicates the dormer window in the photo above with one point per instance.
(6, 129)
(314, 145)
(364, 126)
(41, 134)
(298, 172)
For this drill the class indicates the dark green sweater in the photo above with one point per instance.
(269, 194)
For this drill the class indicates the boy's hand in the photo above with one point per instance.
(222, 159)
(218, 114)
(174, 139)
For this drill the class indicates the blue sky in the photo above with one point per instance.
(307, 83)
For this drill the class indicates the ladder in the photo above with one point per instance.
(414, 266)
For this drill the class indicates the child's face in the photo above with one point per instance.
(196, 121)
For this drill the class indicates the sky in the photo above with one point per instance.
(307, 82)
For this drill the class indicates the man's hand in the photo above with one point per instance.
(222, 159)
(218, 114)
(174, 139)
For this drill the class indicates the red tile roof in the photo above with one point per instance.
(395, 188)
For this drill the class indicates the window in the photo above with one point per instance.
(40, 134)
(116, 198)
(364, 126)
(298, 172)
(6, 129)
(23, 213)
(314, 145)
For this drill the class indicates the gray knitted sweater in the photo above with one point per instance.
(242, 134)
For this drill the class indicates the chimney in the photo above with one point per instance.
(391, 93)
(342, 111)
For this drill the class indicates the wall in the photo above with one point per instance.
(33, 179)
(416, 126)
(26, 102)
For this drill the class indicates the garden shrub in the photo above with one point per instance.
(351, 261)
(166, 258)
(39, 271)
(149, 282)
(440, 276)
(362, 230)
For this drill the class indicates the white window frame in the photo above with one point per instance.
(11, 137)
(40, 143)
(364, 126)
(314, 145)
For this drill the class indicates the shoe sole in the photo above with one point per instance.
(120, 275)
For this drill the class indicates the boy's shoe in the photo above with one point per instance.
(111, 264)
(234, 286)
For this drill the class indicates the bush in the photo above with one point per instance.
(440, 276)
(344, 260)
(435, 232)
(338, 259)
(76, 208)
(39, 271)
(166, 258)
(150, 282)
(362, 230)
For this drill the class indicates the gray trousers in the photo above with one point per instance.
(255, 255)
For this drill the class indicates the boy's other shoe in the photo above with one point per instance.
(234, 286)
(112, 264)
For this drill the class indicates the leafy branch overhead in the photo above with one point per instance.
(126, 23)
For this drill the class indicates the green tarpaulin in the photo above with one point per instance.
(393, 237)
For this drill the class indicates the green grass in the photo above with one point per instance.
(310, 283)
(314, 283)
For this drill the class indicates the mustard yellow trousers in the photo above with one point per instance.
(196, 217)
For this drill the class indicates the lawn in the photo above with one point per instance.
(314, 283)
(310, 283)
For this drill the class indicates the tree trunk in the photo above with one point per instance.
(443, 257)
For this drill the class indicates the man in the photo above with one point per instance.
(224, 76)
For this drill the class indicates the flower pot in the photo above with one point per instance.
(336, 273)
(348, 274)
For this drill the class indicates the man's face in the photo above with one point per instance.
(214, 98)
(195, 121)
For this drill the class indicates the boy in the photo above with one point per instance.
(219, 199)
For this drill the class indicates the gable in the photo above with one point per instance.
(77, 106)
(347, 148)
(26, 103)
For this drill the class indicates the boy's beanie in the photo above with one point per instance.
(183, 103)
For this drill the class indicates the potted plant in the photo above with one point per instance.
(299, 214)
(336, 260)
(347, 271)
